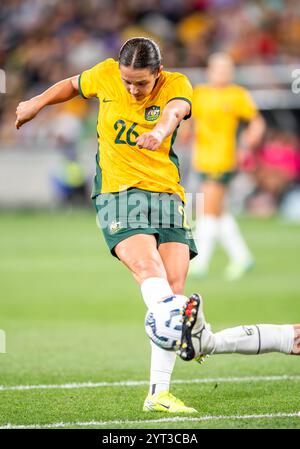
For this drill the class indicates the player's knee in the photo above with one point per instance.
(144, 268)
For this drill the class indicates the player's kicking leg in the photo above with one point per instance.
(198, 340)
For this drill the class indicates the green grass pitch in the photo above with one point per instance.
(73, 314)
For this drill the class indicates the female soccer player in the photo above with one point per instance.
(140, 202)
(137, 194)
(218, 107)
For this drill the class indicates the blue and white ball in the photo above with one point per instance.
(164, 322)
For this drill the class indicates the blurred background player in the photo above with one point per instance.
(197, 339)
(218, 107)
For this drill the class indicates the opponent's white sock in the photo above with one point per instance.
(206, 234)
(154, 290)
(162, 365)
(162, 362)
(232, 240)
(255, 339)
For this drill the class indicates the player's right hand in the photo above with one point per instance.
(26, 111)
(149, 141)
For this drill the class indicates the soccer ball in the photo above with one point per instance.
(164, 322)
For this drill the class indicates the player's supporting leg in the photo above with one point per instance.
(139, 253)
(175, 257)
(197, 338)
(207, 226)
(241, 260)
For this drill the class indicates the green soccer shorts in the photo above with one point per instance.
(136, 211)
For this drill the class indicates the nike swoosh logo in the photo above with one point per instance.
(163, 405)
(105, 100)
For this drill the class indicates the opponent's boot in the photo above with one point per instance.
(197, 340)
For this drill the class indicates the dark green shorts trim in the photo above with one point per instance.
(79, 88)
(219, 177)
(136, 211)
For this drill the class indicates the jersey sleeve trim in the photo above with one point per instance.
(79, 87)
(188, 101)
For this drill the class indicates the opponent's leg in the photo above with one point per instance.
(258, 339)
(197, 338)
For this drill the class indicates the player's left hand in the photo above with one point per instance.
(149, 141)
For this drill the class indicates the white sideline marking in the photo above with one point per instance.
(148, 421)
(135, 383)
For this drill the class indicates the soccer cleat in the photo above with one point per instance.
(197, 340)
(165, 402)
(236, 270)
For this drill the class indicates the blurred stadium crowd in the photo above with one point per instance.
(42, 42)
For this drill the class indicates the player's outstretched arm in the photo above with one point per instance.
(172, 115)
(58, 93)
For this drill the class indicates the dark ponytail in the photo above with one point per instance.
(140, 53)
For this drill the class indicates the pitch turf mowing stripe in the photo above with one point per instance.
(135, 383)
(150, 421)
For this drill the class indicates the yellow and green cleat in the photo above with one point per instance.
(165, 402)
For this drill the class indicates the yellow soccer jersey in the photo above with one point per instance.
(120, 163)
(216, 113)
